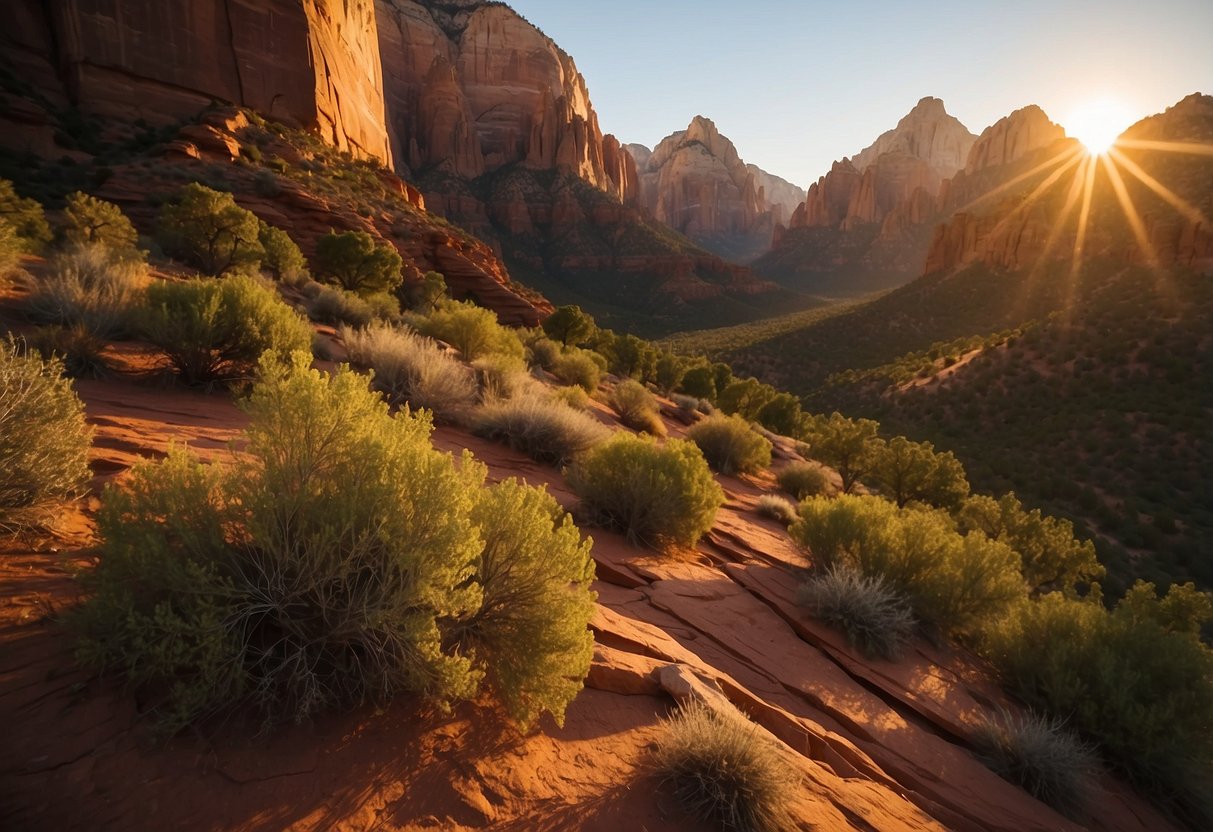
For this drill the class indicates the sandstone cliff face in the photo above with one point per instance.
(928, 133)
(472, 87)
(310, 62)
(1011, 137)
(905, 163)
(695, 181)
(1012, 232)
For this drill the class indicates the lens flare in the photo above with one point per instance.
(1098, 123)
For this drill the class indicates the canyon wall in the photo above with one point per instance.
(314, 63)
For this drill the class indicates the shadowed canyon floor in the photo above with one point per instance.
(877, 745)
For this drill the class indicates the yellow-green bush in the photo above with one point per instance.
(575, 366)
(216, 330)
(342, 559)
(26, 218)
(957, 582)
(1142, 690)
(282, 256)
(730, 445)
(91, 221)
(803, 479)
(656, 494)
(471, 329)
(44, 440)
(207, 229)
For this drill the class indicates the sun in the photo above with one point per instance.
(1098, 123)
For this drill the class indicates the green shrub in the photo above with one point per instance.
(700, 383)
(1052, 557)
(44, 440)
(530, 631)
(358, 262)
(846, 445)
(1142, 691)
(1036, 753)
(637, 407)
(730, 445)
(10, 252)
(207, 229)
(89, 288)
(25, 217)
(905, 471)
(724, 771)
(777, 508)
(411, 368)
(576, 367)
(667, 374)
(90, 221)
(875, 618)
(569, 326)
(803, 479)
(542, 352)
(426, 294)
(955, 582)
(341, 560)
(573, 397)
(658, 494)
(540, 428)
(216, 330)
(473, 330)
(282, 258)
(335, 306)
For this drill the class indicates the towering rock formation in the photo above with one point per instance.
(311, 62)
(472, 87)
(926, 147)
(1038, 218)
(495, 124)
(864, 225)
(695, 181)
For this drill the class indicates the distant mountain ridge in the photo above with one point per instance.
(695, 181)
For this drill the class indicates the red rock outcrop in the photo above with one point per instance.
(310, 62)
(928, 133)
(1012, 137)
(695, 181)
(471, 87)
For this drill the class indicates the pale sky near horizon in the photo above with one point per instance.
(797, 85)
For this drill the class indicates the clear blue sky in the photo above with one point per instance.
(796, 85)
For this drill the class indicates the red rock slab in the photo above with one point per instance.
(943, 778)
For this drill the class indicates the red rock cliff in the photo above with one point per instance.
(472, 87)
(312, 62)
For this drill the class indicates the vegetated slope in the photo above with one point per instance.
(1103, 414)
(1101, 411)
(883, 746)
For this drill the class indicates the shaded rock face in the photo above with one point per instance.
(473, 87)
(1039, 218)
(310, 62)
(695, 181)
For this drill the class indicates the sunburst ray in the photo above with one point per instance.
(1051, 162)
(1197, 148)
(1174, 200)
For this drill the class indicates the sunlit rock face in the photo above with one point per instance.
(696, 182)
(907, 163)
(472, 87)
(1019, 199)
(310, 62)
